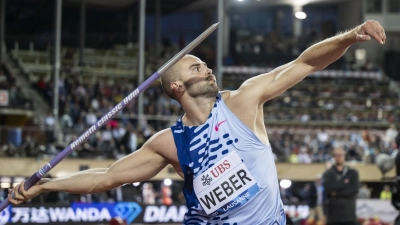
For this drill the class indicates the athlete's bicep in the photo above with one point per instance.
(139, 166)
(269, 85)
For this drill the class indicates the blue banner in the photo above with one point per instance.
(86, 213)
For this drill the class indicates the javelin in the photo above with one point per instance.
(58, 158)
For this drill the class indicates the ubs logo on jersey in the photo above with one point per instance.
(5, 216)
(221, 168)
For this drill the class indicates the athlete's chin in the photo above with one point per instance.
(208, 92)
(213, 88)
(214, 92)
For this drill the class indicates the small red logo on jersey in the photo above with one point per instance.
(217, 126)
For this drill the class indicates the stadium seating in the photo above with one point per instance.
(323, 101)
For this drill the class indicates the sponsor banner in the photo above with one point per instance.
(3, 98)
(370, 208)
(5, 215)
(366, 208)
(297, 211)
(132, 212)
(92, 213)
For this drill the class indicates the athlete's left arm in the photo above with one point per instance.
(267, 86)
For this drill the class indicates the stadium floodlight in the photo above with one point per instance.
(5, 185)
(285, 183)
(300, 15)
(5, 182)
(167, 182)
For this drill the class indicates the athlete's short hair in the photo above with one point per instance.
(169, 76)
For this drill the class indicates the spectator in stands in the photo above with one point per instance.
(41, 85)
(107, 141)
(29, 147)
(369, 66)
(18, 98)
(132, 141)
(364, 192)
(293, 158)
(341, 185)
(323, 138)
(119, 140)
(95, 104)
(315, 201)
(65, 119)
(391, 134)
(49, 123)
(286, 195)
(386, 194)
(166, 195)
(91, 118)
(304, 156)
(149, 194)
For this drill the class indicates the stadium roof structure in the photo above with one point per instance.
(202, 4)
(169, 6)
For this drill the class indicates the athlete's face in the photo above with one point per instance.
(197, 78)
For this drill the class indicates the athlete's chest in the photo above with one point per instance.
(207, 144)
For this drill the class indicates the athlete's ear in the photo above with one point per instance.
(177, 86)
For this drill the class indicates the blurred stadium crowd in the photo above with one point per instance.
(305, 123)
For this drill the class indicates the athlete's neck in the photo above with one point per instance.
(197, 110)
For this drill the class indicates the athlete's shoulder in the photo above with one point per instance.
(237, 99)
(226, 94)
(163, 137)
(162, 143)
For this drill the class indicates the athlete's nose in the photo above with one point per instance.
(209, 71)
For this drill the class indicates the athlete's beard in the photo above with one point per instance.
(196, 88)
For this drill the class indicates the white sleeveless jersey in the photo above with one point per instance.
(230, 175)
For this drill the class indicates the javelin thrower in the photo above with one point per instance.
(219, 145)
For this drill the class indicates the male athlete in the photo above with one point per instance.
(220, 145)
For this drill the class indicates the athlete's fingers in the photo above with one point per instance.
(380, 30)
(22, 191)
(16, 195)
(372, 31)
(12, 200)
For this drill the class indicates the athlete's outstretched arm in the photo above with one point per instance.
(138, 166)
(267, 86)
